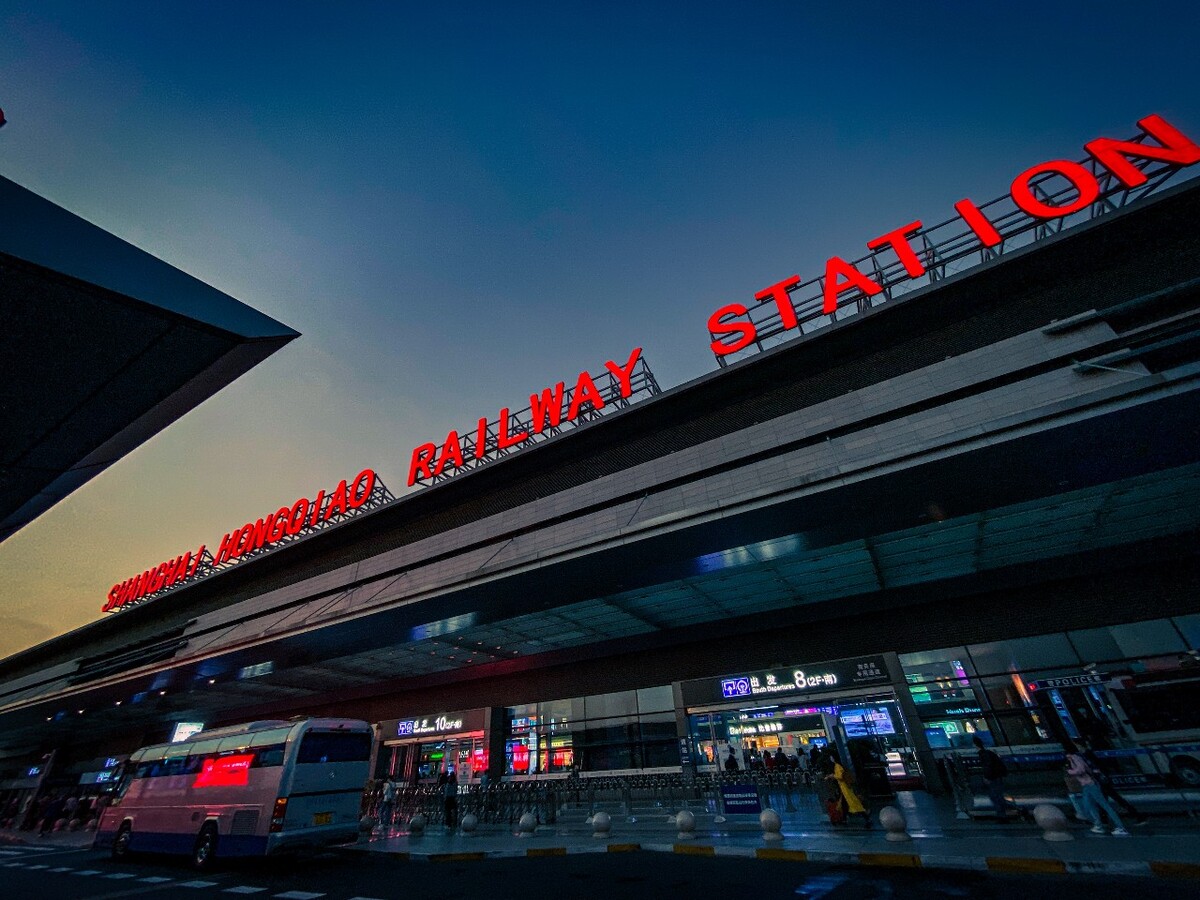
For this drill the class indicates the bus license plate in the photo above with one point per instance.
(325, 818)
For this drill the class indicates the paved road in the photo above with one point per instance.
(47, 873)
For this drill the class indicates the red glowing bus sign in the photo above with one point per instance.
(906, 253)
(549, 411)
(351, 497)
(225, 771)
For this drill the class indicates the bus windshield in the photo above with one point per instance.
(334, 747)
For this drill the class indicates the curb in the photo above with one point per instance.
(1007, 865)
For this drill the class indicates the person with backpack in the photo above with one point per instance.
(1094, 801)
(994, 773)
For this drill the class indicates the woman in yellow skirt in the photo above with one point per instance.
(854, 805)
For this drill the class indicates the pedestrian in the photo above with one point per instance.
(782, 763)
(387, 804)
(450, 798)
(731, 763)
(1094, 801)
(994, 772)
(852, 804)
(1108, 789)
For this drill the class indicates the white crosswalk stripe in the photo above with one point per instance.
(197, 884)
(88, 872)
(244, 889)
(14, 865)
(11, 852)
(118, 876)
(62, 869)
(298, 895)
(364, 898)
(40, 866)
(155, 879)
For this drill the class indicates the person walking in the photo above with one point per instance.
(387, 804)
(450, 799)
(1093, 800)
(994, 772)
(851, 802)
(1108, 789)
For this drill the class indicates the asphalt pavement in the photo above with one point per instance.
(47, 872)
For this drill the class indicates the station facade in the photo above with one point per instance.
(967, 510)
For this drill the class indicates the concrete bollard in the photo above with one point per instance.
(416, 825)
(1053, 823)
(365, 826)
(601, 824)
(526, 825)
(685, 821)
(772, 825)
(894, 824)
(469, 823)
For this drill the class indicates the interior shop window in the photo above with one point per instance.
(1189, 626)
(1023, 728)
(1041, 652)
(603, 706)
(1154, 638)
(956, 734)
(1008, 692)
(946, 681)
(914, 662)
(561, 710)
(656, 699)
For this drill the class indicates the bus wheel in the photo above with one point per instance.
(120, 847)
(1186, 771)
(204, 856)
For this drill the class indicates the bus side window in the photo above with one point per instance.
(268, 756)
(123, 785)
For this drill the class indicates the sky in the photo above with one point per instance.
(459, 203)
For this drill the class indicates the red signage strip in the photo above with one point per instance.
(549, 412)
(1041, 201)
(350, 498)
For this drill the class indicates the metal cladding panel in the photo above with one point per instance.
(106, 345)
(38, 231)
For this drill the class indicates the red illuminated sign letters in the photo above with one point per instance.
(287, 521)
(430, 461)
(732, 332)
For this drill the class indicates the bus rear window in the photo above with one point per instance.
(334, 747)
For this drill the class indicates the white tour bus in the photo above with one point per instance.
(246, 790)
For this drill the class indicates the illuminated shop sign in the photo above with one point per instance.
(439, 725)
(784, 683)
(289, 523)
(548, 413)
(1037, 202)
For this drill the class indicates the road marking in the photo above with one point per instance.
(197, 884)
(11, 852)
(117, 876)
(244, 889)
(40, 866)
(298, 895)
(88, 872)
(62, 869)
(364, 898)
(155, 879)
(17, 865)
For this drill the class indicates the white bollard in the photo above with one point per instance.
(772, 825)
(685, 821)
(526, 825)
(416, 825)
(894, 824)
(601, 824)
(365, 826)
(1053, 823)
(469, 823)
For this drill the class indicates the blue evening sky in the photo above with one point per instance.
(459, 203)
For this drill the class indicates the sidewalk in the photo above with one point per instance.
(1167, 847)
(66, 840)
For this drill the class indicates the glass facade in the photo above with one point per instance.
(603, 732)
(1107, 685)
